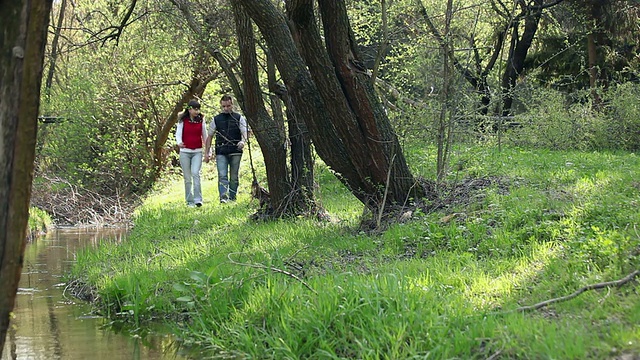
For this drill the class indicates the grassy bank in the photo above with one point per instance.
(39, 222)
(531, 226)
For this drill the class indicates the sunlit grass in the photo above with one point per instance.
(39, 221)
(550, 223)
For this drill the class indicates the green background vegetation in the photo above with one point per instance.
(115, 94)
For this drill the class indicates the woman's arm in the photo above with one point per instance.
(179, 135)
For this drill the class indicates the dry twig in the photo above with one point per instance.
(260, 266)
(616, 283)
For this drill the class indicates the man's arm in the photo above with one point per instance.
(243, 131)
(204, 132)
(207, 147)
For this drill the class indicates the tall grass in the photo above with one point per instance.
(39, 222)
(443, 285)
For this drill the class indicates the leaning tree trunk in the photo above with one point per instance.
(268, 132)
(478, 78)
(23, 25)
(334, 97)
(54, 48)
(302, 162)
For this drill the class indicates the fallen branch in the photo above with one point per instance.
(260, 266)
(616, 283)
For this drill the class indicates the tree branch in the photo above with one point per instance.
(616, 283)
(116, 31)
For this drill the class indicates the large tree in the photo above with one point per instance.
(333, 94)
(23, 25)
(212, 24)
(287, 197)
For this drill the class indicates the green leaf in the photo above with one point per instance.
(180, 287)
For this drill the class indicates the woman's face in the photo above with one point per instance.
(193, 112)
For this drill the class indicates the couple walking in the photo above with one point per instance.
(230, 131)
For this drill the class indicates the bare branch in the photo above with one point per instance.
(602, 285)
(260, 266)
(116, 31)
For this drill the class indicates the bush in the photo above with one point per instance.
(555, 121)
(549, 123)
(621, 129)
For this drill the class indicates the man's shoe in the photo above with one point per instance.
(223, 201)
(191, 205)
(198, 204)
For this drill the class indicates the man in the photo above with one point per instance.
(230, 131)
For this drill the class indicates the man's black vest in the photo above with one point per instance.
(227, 133)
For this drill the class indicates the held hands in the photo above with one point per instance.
(240, 145)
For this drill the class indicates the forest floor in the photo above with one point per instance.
(529, 254)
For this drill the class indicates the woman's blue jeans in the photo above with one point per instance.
(191, 162)
(228, 168)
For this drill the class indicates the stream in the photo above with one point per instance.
(51, 324)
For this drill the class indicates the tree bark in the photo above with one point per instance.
(595, 39)
(23, 25)
(268, 132)
(333, 95)
(519, 50)
(54, 47)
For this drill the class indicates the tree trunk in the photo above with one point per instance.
(334, 96)
(518, 52)
(268, 132)
(23, 25)
(445, 120)
(594, 40)
(302, 162)
(54, 48)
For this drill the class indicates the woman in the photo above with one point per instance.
(191, 134)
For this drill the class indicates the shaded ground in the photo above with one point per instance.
(439, 197)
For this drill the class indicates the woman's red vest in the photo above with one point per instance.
(192, 134)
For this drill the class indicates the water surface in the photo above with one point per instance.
(51, 324)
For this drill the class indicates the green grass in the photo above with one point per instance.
(436, 287)
(39, 221)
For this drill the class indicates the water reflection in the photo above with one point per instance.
(49, 324)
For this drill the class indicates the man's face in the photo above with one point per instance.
(227, 106)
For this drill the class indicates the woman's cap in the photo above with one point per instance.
(193, 104)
